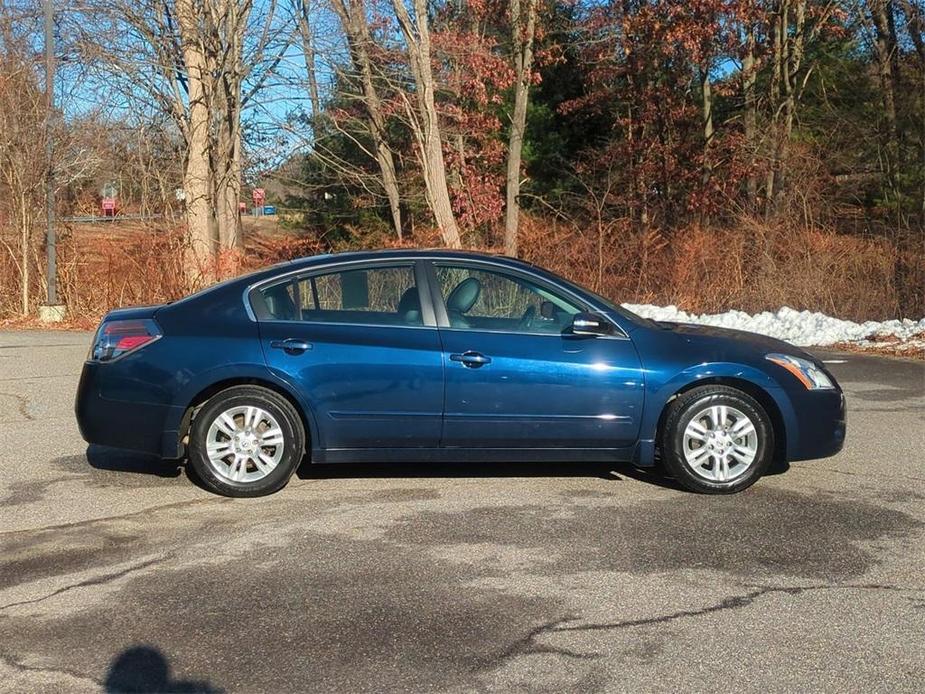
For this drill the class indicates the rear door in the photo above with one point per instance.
(515, 377)
(363, 349)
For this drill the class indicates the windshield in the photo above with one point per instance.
(610, 305)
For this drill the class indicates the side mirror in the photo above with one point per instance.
(591, 324)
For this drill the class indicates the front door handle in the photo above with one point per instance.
(471, 359)
(291, 345)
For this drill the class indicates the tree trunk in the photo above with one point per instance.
(197, 179)
(26, 247)
(425, 122)
(308, 52)
(915, 19)
(778, 32)
(354, 23)
(885, 50)
(788, 48)
(523, 31)
(706, 90)
(228, 192)
(750, 116)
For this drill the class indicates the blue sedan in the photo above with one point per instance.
(427, 356)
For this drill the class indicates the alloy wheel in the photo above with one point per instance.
(720, 443)
(244, 444)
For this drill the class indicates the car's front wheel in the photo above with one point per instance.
(246, 441)
(716, 440)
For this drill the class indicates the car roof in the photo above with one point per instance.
(288, 267)
(398, 253)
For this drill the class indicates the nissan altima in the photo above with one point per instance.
(438, 356)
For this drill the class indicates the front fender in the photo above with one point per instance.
(659, 392)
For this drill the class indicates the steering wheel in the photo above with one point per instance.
(526, 320)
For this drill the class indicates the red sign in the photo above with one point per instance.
(108, 206)
(259, 196)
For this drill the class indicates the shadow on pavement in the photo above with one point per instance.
(115, 460)
(145, 669)
(604, 471)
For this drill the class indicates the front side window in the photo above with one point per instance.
(487, 300)
(370, 296)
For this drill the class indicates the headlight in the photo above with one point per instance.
(809, 374)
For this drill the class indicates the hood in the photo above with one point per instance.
(712, 336)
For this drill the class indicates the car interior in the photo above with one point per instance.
(530, 310)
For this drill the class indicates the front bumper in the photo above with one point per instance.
(822, 417)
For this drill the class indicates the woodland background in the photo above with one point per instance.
(712, 154)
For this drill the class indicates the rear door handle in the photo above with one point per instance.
(291, 345)
(471, 359)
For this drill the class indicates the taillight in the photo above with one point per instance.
(116, 338)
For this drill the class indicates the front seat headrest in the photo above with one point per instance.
(409, 301)
(464, 295)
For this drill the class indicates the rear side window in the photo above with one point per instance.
(367, 296)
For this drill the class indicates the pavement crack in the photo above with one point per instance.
(528, 644)
(732, 603)
(820, 468)
(95, 581)
(8, 660)
(124, 516)
(22, 404)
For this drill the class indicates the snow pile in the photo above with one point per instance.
(797, 327)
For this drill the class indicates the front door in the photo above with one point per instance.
(515, 377)
(357, 343)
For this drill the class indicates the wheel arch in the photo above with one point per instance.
(203, 396)
(762, 396)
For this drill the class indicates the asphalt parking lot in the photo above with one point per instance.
(116, 571)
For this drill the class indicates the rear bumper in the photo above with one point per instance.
(128, 424)
(822, 425)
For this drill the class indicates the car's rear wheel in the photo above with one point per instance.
(246, 441)
(716, 440)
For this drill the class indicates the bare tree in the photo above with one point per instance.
(749, 77)
(302, 12)
(878, 19)
(523, 32)
(200, 62)
(22, 163)
(355, 25)
(422, 117)
(793, 28)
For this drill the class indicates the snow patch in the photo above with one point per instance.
(803, 328)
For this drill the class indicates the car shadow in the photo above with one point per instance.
(116, 460)
(309, 470)
(145, 669)
(615, 472)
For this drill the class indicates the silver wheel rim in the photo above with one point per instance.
(244, 444)
(720, 443)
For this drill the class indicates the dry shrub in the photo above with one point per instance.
(264, 249)
(119, 266)
(752, 266)
(101, 268)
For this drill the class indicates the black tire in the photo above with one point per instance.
(289, 422)
(680, 413)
